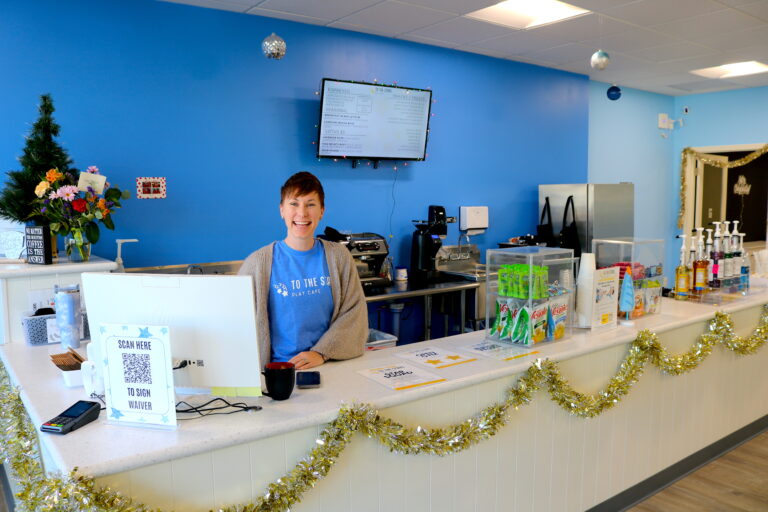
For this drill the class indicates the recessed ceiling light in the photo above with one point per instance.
(751, 67)
(522, 14)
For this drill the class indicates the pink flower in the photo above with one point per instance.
(93, 169)
(53, 195)
(68, 192)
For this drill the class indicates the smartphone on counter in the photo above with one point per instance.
(310, 379)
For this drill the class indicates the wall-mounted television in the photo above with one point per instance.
(360, 120)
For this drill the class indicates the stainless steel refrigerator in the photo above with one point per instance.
(602, 210)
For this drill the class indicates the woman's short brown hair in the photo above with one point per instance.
(301, 184)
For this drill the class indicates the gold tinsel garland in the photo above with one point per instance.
(690, 153)
(79, 493)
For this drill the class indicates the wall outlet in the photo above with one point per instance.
(664, 121)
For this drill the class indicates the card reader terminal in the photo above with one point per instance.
(81, 413)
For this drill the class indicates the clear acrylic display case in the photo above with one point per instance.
(531, 300)
(645, 259)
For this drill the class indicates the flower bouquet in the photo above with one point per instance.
(73, 208)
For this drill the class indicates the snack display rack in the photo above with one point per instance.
(643, 259)
(531, 300)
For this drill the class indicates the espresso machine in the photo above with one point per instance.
(426, 241)
(369, 252)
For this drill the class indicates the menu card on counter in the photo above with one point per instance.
(138, 377)
(499, 350)
(436, 357)
(401, 376)
(606, 306)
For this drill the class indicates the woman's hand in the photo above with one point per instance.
(307, 360)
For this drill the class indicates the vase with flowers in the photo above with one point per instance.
(75, 207)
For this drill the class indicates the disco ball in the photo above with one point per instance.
(273, 46)
(600, 60)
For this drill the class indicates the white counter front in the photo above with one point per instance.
(544, 459)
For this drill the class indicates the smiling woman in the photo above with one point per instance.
(309, 301)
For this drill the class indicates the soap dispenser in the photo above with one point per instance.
(119, 259)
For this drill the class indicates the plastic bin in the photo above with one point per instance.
(378, 340)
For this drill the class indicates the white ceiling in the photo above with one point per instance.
(653, 44)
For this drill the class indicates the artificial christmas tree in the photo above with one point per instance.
(41, 153)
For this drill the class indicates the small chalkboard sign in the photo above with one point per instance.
(39, 245)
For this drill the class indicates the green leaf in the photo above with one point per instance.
(99, 215)
(126, 194)
(107, 221)
(92, 232)
(55, 226)
(112, 194)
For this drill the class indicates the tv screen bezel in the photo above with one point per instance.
(371, 157)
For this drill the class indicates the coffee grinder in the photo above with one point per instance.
(427, 240)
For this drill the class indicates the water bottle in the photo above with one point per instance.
(68, 315)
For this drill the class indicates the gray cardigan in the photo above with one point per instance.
(348, 332)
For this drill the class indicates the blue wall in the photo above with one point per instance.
(625, 144)
(146, 88)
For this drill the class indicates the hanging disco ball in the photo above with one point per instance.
(600, 60)
(273, 47)
(613, 92)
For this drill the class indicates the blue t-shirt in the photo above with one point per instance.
(300, 300)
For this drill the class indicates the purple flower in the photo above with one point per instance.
(46, 201)
(90, 189)
(92, 169)
(43, 209)
(109, 204)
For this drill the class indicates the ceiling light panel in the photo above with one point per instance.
(734, 69)
(522, 14)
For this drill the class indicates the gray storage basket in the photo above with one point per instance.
(36, 329)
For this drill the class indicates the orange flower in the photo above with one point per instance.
(90, 198)
(105, 212)
(102, 204)
(53, 175)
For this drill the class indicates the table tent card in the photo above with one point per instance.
(401, 376)
(138, 375)
(434, 357)
(498, 350)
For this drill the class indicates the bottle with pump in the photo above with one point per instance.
(682, 278)
(708, 255)
(691, 259)
(700, 265)
(744, 265)
(727, 256)
(736, 270)
(717, 259)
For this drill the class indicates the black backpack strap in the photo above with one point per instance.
(569, 202)
(546, 211)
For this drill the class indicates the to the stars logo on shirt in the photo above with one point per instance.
(281, 289)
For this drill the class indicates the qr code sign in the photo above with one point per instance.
(136, 369)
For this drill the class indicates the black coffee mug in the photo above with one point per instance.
(280, 378)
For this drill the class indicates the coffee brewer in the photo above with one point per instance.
(426, 241)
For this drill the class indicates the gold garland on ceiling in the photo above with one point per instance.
(689, 153)
(75, 492)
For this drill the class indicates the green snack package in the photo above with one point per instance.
(521, 333)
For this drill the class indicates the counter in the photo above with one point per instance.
(543, 459)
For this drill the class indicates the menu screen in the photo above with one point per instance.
(361, 120)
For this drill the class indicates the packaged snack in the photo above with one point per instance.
(539, 321)
(652, 297)
(557, 317)
(521, 332)
(502, 324)
(639, 303)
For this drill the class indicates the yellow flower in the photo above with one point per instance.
(42, 188)
(53, 175)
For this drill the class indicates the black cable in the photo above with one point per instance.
(392, 211)
(204, 410)
(101, 399)
(182, 364)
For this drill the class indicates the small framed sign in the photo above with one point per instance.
(38, 241)
(137, 375)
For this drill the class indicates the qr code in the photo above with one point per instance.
(136, 369)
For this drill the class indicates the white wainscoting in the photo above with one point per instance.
(544, 459)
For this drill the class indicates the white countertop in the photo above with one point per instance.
(95, 264)
(101, 449)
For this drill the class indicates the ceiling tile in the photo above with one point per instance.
(395, 17)
(483, 51)
(462, 31)
(455, 6)
(518, 43)
(327, 9)
(598, 5)
(562, 54)
(581, 28)
(224, 5)
(653, 12)
(358, 28)
(426, 40)
(759, 9)
(726, 20)
(759, 80)
(630, 39)
(672, 51)
(736, 3)
(735, 40)
(258, 11)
